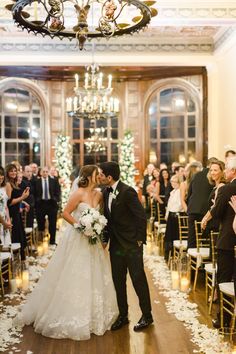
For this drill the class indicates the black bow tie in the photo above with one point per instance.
(110, 190)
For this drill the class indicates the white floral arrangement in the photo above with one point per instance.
(91, 224)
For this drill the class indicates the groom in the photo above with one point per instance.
(126, 230)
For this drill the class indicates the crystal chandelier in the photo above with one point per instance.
(93, 100)
(82, 19)
(96, 142)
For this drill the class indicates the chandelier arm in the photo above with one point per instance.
(19, 6)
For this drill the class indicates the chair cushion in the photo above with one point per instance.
(178, 244)
(227, 288)
(5, 255)
(209, 268)
(204, 252)
(28, 230)
(15, 246)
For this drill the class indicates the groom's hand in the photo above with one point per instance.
(140, 243)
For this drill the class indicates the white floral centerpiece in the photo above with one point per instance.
(91, 224)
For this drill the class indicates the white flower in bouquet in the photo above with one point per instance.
(92, 224)
(98, 228)
(88, 232)
(96, 214)
(86, 220)
(102, 220)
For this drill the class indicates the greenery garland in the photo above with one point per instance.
(63, 155)
(127, 160)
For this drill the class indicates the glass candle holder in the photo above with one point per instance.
(174, 271)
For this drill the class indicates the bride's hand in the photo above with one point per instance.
(104, 245)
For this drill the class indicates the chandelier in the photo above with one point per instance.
(93, 100)
(96, 142)
(82, 19)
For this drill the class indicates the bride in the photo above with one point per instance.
(75, 296)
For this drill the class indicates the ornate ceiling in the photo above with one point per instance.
(181, 28)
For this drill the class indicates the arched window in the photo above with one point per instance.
(20, 125)
(94, 141)
(174, 126)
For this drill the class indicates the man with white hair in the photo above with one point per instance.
(226, 241)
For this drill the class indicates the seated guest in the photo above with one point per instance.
(174, 207)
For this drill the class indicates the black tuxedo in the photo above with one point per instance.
(127, 225)
(197, 200)
(47, 207)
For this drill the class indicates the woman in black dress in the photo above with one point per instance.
(16, 197)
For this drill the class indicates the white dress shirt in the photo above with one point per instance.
(111, 195)
(43, 188)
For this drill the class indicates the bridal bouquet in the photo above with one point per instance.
(91, 224)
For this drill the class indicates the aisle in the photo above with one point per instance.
(166, 336)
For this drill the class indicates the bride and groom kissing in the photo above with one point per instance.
(81, 292)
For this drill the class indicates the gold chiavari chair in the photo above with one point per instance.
(160, 228)
(150, 225)
(29, 235)
(201, 254)
(5, 269)
(210, 272)
(227, 303)
(181, 244)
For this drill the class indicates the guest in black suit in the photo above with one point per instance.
(126, 230)
(226, 240)
(197, 200)
(47, 197)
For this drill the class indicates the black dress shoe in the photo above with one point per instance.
(144, 322)
(120, 322)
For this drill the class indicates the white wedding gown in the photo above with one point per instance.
(75, 296)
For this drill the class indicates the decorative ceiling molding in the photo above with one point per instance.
(182, 26)
(63, 47)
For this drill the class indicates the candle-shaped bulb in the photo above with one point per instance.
(109, 81)
(76, 81)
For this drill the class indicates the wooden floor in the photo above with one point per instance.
(166, 336)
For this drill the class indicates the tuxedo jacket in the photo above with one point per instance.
(225, 213)
(54, 189)
(126, 220)
(198, 193)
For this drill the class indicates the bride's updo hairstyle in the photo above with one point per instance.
(85, 172)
